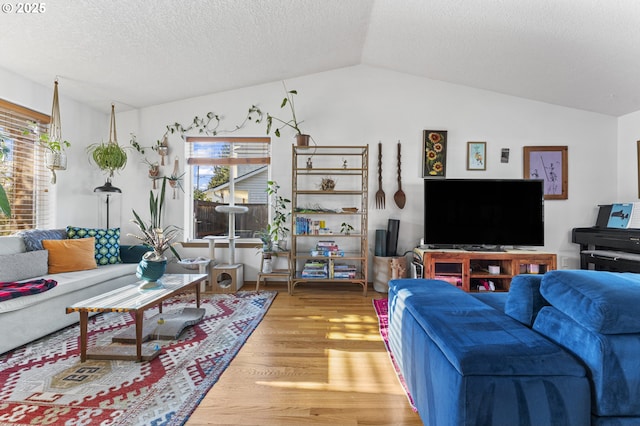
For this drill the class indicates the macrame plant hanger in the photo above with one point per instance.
(55, 159)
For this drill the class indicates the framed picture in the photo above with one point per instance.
(638, 169)
(434, 153)
(476, 156)
(548, 163)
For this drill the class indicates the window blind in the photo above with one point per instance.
(221, 151)
(22, 170)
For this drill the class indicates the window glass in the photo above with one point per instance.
(229, 171)
(22, 171)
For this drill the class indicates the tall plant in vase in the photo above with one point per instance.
(156, 238)
(302, 139)
(277, 229)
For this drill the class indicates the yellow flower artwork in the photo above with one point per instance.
(434, 149)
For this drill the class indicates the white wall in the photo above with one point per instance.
(363, 105)
(627, 161)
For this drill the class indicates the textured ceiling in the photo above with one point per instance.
(577, 53)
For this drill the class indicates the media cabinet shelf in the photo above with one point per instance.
(470, 269)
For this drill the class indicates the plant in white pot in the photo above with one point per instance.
(55, 156)
(301, 138)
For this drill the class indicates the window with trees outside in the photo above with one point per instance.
(23, 175)
(225, 171)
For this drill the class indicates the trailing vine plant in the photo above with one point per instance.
(207, 125)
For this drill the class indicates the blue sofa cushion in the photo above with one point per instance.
(611, 359)
(495, 299)
(605, 302)
(478, 339)
(524, 300)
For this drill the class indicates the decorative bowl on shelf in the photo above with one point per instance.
(350, 209)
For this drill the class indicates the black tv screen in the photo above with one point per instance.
(483, 212)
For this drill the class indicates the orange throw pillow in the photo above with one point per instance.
(70, 255)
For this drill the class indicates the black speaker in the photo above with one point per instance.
(393, 227)
(381, 242)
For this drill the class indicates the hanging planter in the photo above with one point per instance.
(56, 160)
(55, 157)
(109, 157)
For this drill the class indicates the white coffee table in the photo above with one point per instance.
(131, 299)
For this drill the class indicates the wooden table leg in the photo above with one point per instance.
(84, 316)
(197, 295)
(139, 327)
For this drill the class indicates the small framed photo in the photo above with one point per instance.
(548, 163)
(476, 156)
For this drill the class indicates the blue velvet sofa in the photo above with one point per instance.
(561, 348)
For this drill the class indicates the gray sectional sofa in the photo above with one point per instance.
(27, 318)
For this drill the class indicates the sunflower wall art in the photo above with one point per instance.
(434, 153)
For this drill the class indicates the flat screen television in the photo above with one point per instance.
(483, 214)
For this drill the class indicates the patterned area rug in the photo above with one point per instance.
(44, 382)
(382, 310)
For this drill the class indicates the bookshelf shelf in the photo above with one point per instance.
(351, 190)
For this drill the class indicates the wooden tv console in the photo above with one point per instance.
(469, 270)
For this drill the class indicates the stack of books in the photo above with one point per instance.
(328, 248)
(342, 270)
(315, 269)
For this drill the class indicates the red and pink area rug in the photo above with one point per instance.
(382, 311)
(45, 383)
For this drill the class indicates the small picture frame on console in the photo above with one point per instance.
(548, 163)
(434, 153)
(476, 156)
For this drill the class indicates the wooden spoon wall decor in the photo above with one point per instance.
(399, 196)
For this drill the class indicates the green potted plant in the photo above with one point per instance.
(265, 237)
(55, 156)
(277, 229)
(156, 238)
(345, 228)
(301, 138)
(109, 156)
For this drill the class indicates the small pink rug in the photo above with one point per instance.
(382, 310)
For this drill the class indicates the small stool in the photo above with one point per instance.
(275, 273)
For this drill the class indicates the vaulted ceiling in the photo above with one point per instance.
(577, 53)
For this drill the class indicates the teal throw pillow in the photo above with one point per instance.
(107, 250)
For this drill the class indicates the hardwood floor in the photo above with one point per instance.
(316, 358)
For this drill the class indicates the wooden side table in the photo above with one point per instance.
(276, 273)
